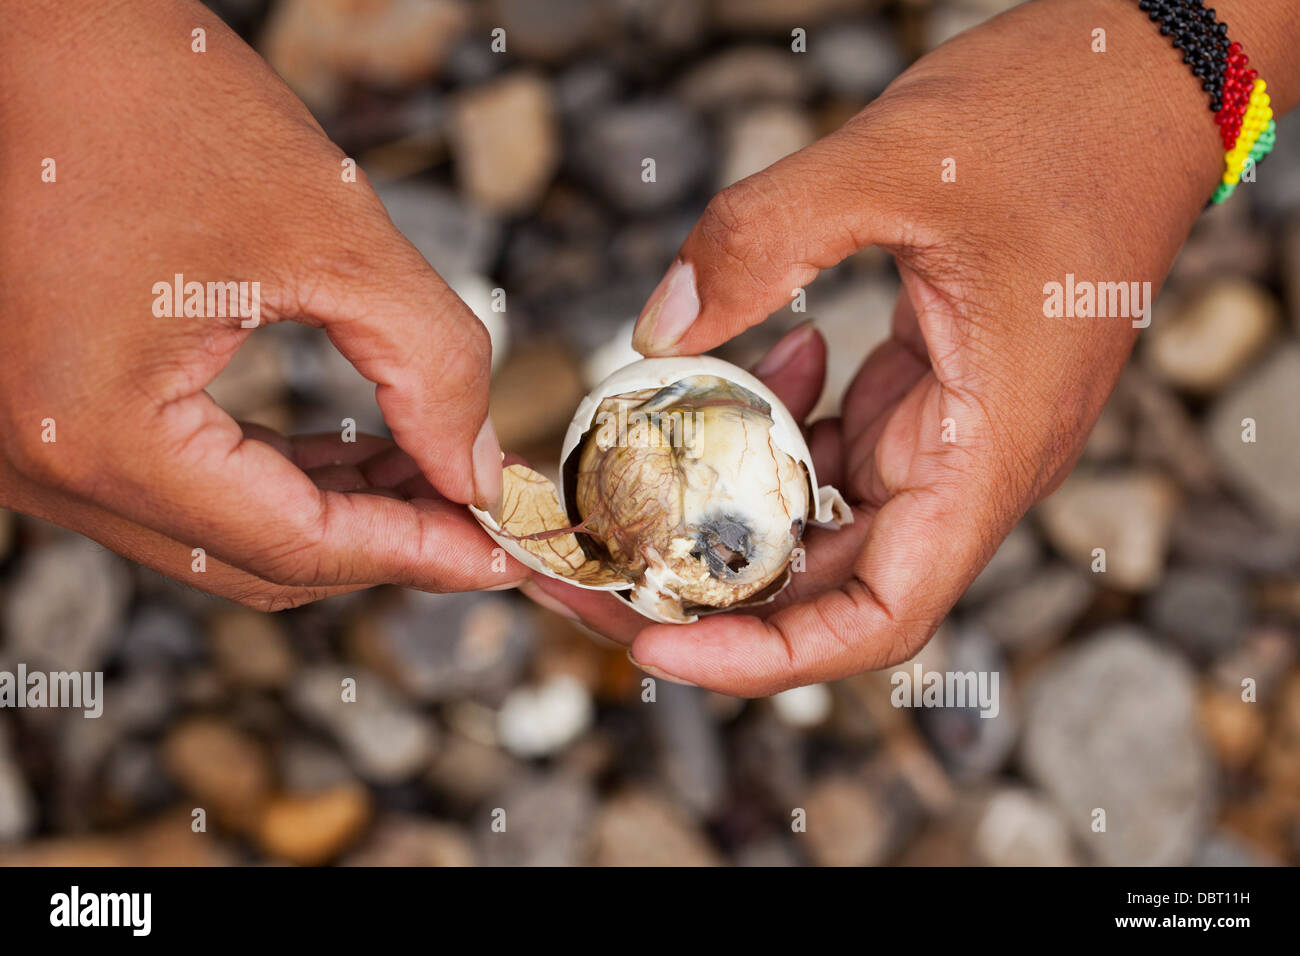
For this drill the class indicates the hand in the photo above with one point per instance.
(1067, 162)
(205, 164)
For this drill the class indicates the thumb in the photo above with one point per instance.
(761, 240)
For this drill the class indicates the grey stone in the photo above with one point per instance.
(540, 821)
(1017, 555)
(1111, 725)
(612, 146)
(857, 60)
(1204, 610)
(691, 757)
(1040, 610)
(384, 739)
(1265, 470)
(162, 634)
(454, 236)
(970, 745)
(66, 607)
(17, 808)
(760, 136)
(1127, 514)
(1216, 531)
(743, 75)
(437, 646)
(1018, 828)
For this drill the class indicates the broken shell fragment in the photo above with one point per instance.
(687, 487)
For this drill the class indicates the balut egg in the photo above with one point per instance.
(687, 487)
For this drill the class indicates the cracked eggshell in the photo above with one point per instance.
(559, 555)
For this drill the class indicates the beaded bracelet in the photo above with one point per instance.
(1238, 97)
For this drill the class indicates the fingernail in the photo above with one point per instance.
(487, 470)
(674, 305)
(534, 593)
(784, 350)
(656, 672)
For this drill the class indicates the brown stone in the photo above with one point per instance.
(251, 649)
(223, 768)
(311, 829)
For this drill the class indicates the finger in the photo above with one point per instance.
(165, 555)
(202, 482)
(768, 235)
(826, 444)
(795, 369)
(429, 356)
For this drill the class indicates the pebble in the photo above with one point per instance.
(691, 755)
(1205, 610)
(383, 737)
(17, 808)
(481, 297)
(1263, 471)
(160, 634)
(316, 45)
(1219, 532)
(551, 32)
(777, 16)
(253, 382)
(1040, 610)
(1277, 190)
(1264, 656)
(1235, 729)
(1166, 437)
(313, 829)
(1017, 555)
(1127, 513)
(973, 746)
(7, 527)
(759, 137)
(306, 765)
(250, 649)
(1205, 340)
(166, 840)
(744, 75)
(505, 142)
(854, 318)
(611, 148)
(455, 237)
(439, 646)
(1019, 828)
(226, 770)
(848, 825)
(466, 771)
(803, 707)
(535, 394)
(856, 60)
(1111, 724)
(397, 840)
(547, 822)
(537, 721)
(66, 607)
(640, 828)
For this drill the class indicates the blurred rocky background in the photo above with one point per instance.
(521, 171)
